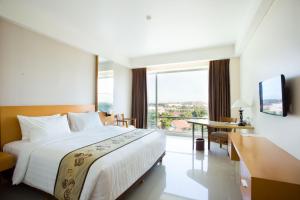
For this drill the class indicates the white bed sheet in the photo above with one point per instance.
(109, 176)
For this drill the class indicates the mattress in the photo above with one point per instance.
(108, 177)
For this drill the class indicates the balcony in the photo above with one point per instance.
(177, 126)
(174, 97)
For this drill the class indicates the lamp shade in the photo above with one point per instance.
(240, 104)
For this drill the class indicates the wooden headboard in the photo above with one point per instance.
(9, 125)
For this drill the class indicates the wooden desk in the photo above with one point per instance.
(268, 171)
(214, 124)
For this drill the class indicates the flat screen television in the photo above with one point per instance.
(272, 95)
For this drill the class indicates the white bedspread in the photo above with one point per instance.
(109, 176)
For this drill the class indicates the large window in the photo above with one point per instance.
(175, 97)
(152, 105)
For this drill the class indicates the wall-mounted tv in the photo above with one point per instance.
(272, 94)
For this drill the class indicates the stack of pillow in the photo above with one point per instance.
(37, 128)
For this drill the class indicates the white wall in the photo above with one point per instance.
(273, 50)
(234, 71)
(211, 53)
(122, 89)
(36, 70)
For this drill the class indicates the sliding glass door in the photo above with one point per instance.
(174, 97)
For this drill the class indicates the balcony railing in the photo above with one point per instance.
(176, 125)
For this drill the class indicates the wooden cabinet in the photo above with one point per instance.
(231, 150)
(245, 181)
(266, 171)
(7, 161)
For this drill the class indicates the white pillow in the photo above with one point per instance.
(50, 129)
(26, 123)
(83, 121)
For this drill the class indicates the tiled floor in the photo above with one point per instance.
(186, 175)
(183, 175)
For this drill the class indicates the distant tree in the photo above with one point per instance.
(165, 122)
(151, 118)
(199, 111)
(186, 114)
(183, 111)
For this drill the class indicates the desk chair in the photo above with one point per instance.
(221, 136)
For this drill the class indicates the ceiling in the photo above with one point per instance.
(119, 30)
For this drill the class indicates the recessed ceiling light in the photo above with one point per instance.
(148, 17)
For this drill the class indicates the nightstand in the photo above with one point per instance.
(7, 161)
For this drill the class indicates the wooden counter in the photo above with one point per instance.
(267, 171)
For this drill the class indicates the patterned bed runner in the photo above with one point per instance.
(74, 166)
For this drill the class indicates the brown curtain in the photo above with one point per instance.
(139, 97)
(219, 89)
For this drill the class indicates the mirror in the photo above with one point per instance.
(105, 86)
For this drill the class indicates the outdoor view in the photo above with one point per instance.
(175, 97)
(105, 90)
(272, 96)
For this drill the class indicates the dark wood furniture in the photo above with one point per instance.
(266, 170)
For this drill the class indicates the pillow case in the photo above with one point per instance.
(83, 121)
(50, 129)
(28, 122)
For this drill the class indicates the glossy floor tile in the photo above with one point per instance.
(190, 175)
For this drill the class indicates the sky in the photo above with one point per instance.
(272, 88)
(179, 86)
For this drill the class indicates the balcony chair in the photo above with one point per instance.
(125, 122)
(221, 136)
(107, 119)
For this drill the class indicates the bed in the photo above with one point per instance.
(108, 177)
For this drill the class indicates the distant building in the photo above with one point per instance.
(180, 125)
(161, 109)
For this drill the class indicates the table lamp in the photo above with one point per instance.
(240, 104)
